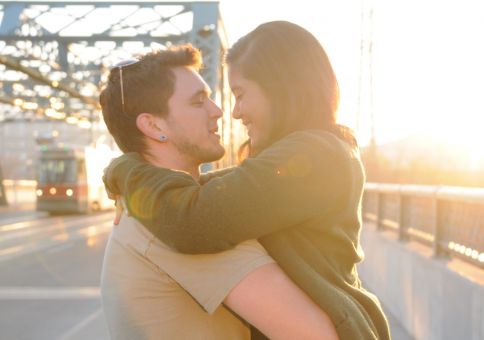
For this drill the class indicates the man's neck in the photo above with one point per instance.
(174, 161)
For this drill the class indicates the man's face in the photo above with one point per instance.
(192, 118)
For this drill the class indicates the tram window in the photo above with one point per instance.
(70, 171)
(58, 171)
(81, 170)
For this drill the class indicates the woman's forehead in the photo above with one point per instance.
(236, 78)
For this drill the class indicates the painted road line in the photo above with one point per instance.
(61, 247)
(5, 219)
(87, 233)
(57, 226)
(52, 220)
(78, 327)
(49, 293)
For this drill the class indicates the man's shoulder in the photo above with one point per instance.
(131, 232)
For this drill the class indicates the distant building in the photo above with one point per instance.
(20, 139)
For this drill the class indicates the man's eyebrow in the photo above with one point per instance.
(207, 92)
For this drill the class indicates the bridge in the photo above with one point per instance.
(424, 245)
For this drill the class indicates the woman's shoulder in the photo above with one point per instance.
(319, 142)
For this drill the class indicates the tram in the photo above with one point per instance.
(69, 179)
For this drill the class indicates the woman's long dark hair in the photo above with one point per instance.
(294, 71)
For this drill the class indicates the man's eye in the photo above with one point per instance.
(199, 102)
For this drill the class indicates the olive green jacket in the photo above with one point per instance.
(300, 198)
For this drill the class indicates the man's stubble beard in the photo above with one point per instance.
(194, 151)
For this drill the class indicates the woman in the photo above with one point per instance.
(299, 191)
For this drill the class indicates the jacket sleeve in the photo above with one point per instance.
(208, 176)
(294, 180)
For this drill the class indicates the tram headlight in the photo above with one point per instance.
(52, 191)
(69, 192)
(39, 192)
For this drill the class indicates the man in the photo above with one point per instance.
(159, 107)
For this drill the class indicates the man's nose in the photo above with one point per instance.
(215, 110)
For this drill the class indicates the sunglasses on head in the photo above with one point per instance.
(120, 66)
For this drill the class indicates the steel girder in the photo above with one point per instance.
(54, 55)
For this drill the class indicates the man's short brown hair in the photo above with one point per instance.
(147, 86)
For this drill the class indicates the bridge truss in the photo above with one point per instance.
(54, 55)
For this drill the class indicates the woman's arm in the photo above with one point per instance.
(207, 176)
(300, 177)
(270, 301)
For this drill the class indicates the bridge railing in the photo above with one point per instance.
(449, 219)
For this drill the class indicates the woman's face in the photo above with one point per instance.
(252, 107)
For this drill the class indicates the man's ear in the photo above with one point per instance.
(151, 126)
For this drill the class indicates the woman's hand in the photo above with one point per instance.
(119, 209)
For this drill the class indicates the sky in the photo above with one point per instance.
(426, 65)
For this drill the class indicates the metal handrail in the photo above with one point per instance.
(441, 192)
(450, 219)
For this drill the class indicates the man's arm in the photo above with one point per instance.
(294, 180)
(270, 301)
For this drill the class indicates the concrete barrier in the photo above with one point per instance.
(432, 297)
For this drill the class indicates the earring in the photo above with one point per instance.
(163, 138)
